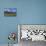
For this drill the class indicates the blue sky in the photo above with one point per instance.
(10, 9)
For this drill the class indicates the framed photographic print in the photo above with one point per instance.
(9, 11)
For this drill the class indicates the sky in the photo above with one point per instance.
(10, 9)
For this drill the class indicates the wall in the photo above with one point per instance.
(28, 12)
(33, 12)
(7, 24)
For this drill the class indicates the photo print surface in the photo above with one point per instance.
(9, 11)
